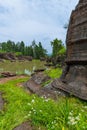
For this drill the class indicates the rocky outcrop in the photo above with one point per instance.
(7, 56)
(22, 58)
(12, 57)
(35, 86)
(77, 35)
(8, 74)
(74, 77)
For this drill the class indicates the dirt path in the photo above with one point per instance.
(25, 126)
(4, 80)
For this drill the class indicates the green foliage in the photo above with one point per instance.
(38, 50)
(57, 48)
(18, 53)
(34, 50)
(62, 51)
(64, 114)
(54, 73)
(2, 51)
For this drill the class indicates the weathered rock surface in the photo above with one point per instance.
(74, 77)
(7, 56)
(40, 77)
(22, 58)
(34, 85)
(77, 35)
(12, 57)
(8, 74)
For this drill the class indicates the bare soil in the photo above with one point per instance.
(25, 126)
(4, 80)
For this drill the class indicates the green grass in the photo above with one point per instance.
(54, 73)
(16, 105)
(64, 114)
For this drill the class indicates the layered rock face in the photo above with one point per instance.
(74, 77)
(77, 35)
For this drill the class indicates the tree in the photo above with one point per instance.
(19, 48)
(10, 46)
(33, 46)
(38, 50)
(22, 47)
(42, 51)
(3, 46)
(56, 47)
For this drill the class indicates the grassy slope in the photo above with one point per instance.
(64, 114)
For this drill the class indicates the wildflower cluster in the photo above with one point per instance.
(53, 116)
(72, 119)
(78, 120)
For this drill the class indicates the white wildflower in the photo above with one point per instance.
(45, 97)
(34, 110)
(77, 118)
(40, 110)
(29, 104)
(33, 101)
(85, 107)
(29, 114)
(52, 122)
(71, 113)
(82, 110)
(42, 97)
(73, 120)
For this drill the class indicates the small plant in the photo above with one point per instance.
(46, 83)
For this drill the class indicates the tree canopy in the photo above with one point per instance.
(57, 47)
(19, 48)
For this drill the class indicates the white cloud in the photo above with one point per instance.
(34, 19)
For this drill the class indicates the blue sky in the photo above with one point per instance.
(39, 20)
